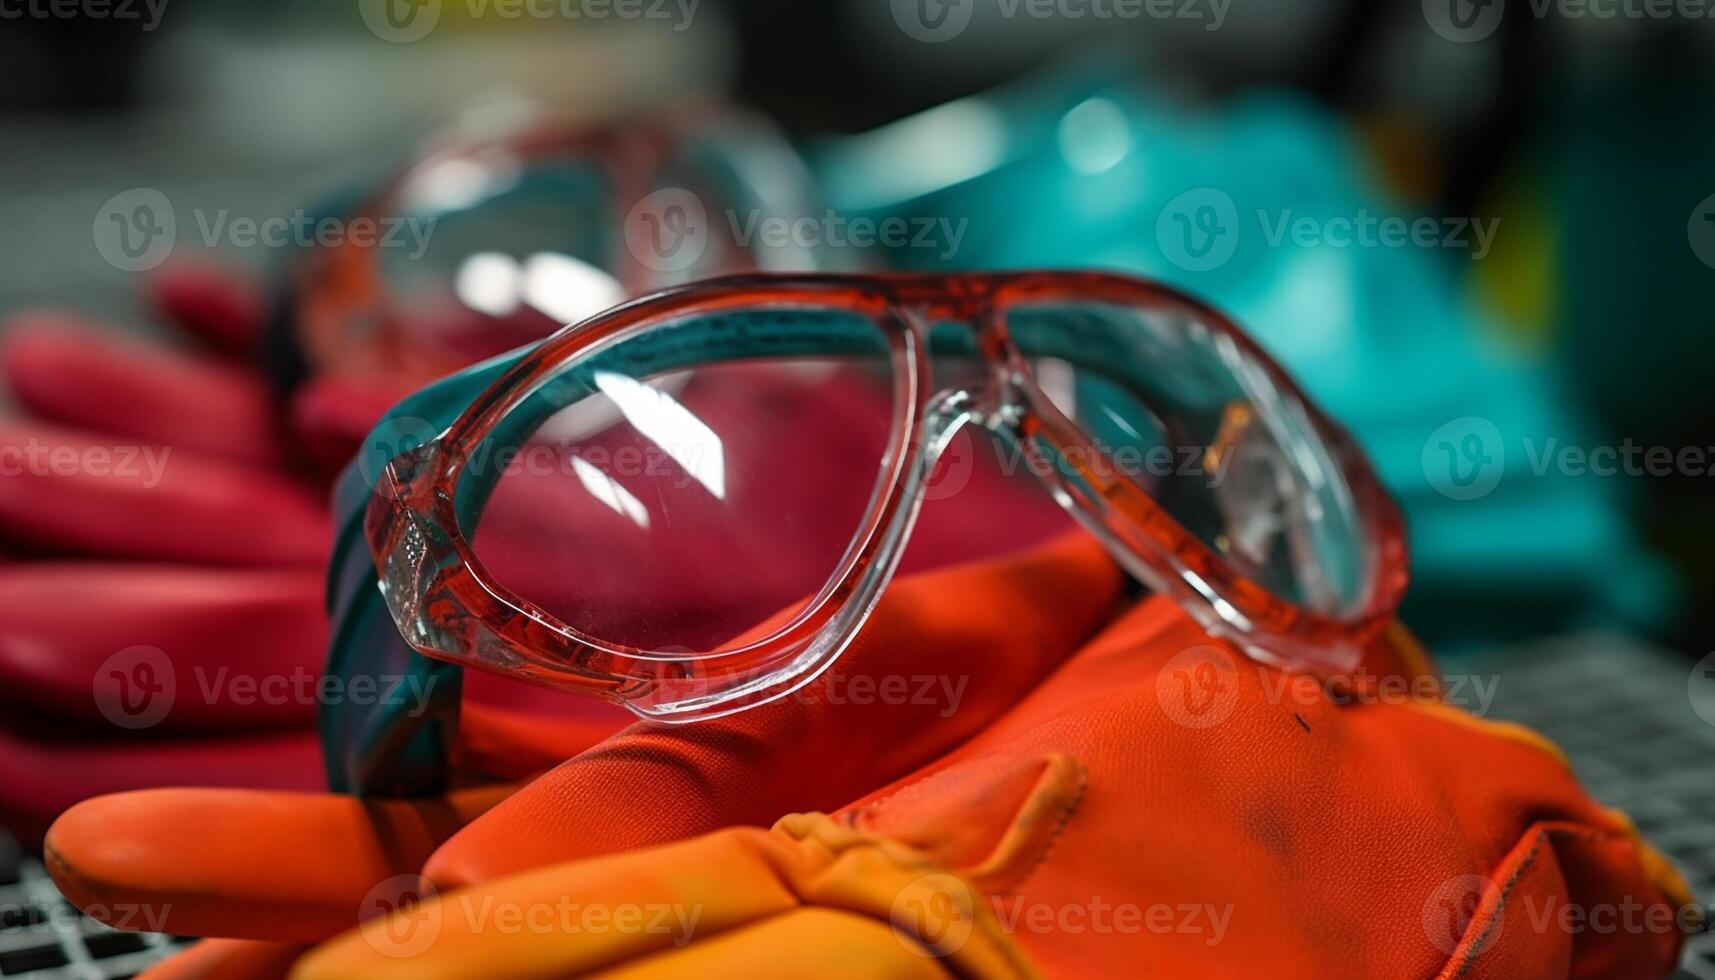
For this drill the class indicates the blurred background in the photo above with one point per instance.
(1552, 307)
(1482, 234)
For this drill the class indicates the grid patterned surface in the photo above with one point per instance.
(1621, 710)
(44, 938)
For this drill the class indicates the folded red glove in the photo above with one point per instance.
(170, 581)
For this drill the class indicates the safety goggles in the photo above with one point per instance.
(688, 504)
(487, 242)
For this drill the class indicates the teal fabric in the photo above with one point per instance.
(394, 746)
(1087, 168)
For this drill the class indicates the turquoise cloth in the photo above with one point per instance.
(1265, 205)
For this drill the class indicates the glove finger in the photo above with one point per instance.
(699, 886)
(738, 902)
(227, 959)
(141, 646)
(64, 370)
(220, 307)
(68, 492)
(46, 767)
(942, 655)
(279, 866)
(806, 942)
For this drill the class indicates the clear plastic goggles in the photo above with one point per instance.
(689, 504)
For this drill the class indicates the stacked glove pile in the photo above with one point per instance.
(156, 526)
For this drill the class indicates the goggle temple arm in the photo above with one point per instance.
(400, 741)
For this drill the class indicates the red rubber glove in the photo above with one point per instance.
(163, 528)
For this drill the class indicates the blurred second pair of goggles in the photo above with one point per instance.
(489, 241)
(689, 504)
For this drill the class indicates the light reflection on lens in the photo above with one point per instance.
(671, 427)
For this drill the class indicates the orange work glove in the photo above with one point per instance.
(1159, 805)
(297, 867)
